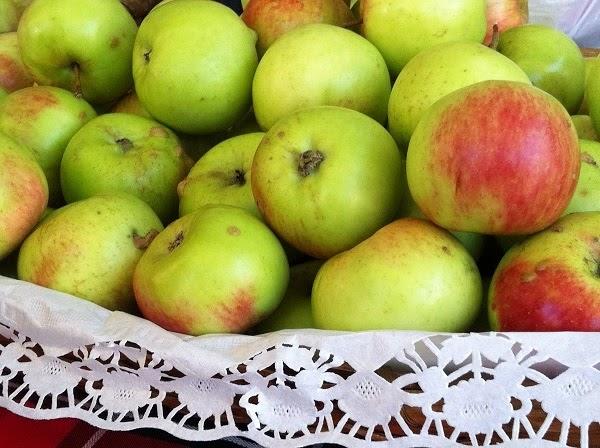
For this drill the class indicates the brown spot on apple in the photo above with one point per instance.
(158, 131)
(178, 241)
(9, 74)
(587, 158)
(237, 313)
(281, 134)
(233, 230)
(446, 250)
(114, 42)
(37, 101)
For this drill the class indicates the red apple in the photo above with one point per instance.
(272, 18)
(551, 281)
(505, 14)
(497, 157)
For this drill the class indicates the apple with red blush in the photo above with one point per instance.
(497, 157)
(551, 281)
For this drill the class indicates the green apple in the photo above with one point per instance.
(90, 248)
(295, 310)
(271, 19)
(123, 152)
(472, 241)
(593, 96)
(496, 157)
(409, 275)
(550, 282)
(23, 193)
(316, 65)
(590, 62)
(13, 74)
(587, 193)
(80, 45)
(130, 104)
(193, 64)
(585, 127)
(402, 29)
(438, 71)
(10, 13)
(326, 178)
(551, 59)
(239, 271)
(222, 176)
(44, 119)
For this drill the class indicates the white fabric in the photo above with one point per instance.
(578, 18)
(291, 388)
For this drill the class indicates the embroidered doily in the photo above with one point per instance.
(63, 357)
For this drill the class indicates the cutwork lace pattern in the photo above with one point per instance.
(291, 389)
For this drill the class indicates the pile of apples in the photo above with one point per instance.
(415, 164)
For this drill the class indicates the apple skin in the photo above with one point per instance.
(193, 64)
(587, 193)
(590, 62)
(85, 48)
(90, 248)
(410, 275)
(222, 176)
(593, 96)
(497, 157)
(550, 281)
(402, 29)
(23, 193)
(585, 127)
(437, 71)
(239, 271)
(10, 13)
(272, 18)
(13, 74)
(320, 64)
(44, 119)
(295, 309)
(123, 152)
(473, 242)
(326, 178)
(505, 14)
(130, 104)
(551, 59)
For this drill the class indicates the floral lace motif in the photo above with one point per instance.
(457, 390)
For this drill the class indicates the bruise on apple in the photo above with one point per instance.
(10, 74)
(142, 242)
(237, 314)
(486, 143)
(545, 296)
(37, 101)
(177, 241)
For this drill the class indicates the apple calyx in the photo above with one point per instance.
(176, 242)
(309, 161)
(125, 144)
(239, 178)
(142, 242)
(147, 56)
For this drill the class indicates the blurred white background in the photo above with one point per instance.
(578, 18)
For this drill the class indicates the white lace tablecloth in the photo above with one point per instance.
(63, 357)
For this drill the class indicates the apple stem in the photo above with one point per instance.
(77, 91)
(309, 161)
(142, 242)
(495, 37)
